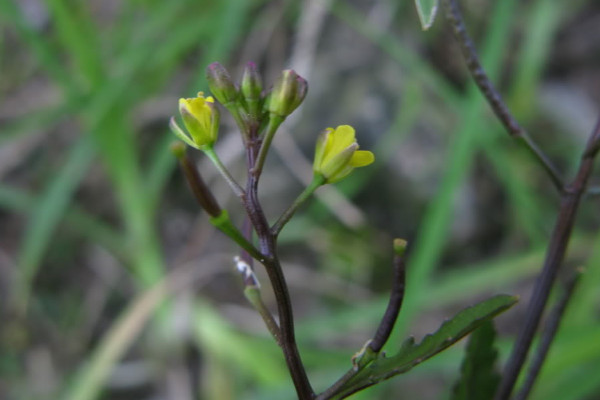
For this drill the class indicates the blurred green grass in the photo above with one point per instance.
(105, 69)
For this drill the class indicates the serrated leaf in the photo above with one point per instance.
(412, 354)
(479, 378)
(427, 10)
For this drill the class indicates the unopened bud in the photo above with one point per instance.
(251, 89)
(400, 246)
(251, 86)
(220, 83)
(287, 93)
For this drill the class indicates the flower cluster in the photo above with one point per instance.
(259, 113)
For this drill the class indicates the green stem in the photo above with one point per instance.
(274, 122)
(253, 295)
(234, 110)
(210, 153)
(224, 224)
(318, 180)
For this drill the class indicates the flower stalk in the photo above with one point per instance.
(336, 156)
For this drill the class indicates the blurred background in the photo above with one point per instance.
(113, 285)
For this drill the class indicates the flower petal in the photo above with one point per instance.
(321, 148)
(343, 136)
(362, 158)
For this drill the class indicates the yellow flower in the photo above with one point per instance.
(201, 118)
(337, 154)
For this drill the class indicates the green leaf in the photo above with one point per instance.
(412, 354)
(427, 10)
(479, 378)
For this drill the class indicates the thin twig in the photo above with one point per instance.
(301, 199)
(571, 197)
(554, 259)
(548, 335)
(254, 296)
(387, 322)
(493, 97)
(394, 305)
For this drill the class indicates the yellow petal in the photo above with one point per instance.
(362, 158)
(343, 136)
(340, 139)
(321, 148)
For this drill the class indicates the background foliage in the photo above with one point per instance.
(97, 227)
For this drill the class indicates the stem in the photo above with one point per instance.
(387, 322)
(272, 265)
(493, 97)
(210, 153)
(333, 389)
(201, 192)
(394, 305)
(234, 110)
(570, 199)
(253, 295)
(274, 122)
(318, 180)
(224, 224)
(548, 336)
(554, 259)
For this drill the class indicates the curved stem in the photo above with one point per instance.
(394, 305)
(234, 110)
(224, 224)
(254, 296)
(554, 258)
(548, 336)
(210, 153)
(386, 325)
(274, 122)
(493, 97)
(318, 180)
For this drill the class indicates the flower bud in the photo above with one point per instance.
(220, 84)
(287, 93)
(251, 86)
(400, 246)
(251, 89)
(337, 154)
(201, 118)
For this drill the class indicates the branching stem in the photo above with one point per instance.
(267, 242)
(237, 189)
(317, 181)
(554, 258)
(274, 122)
(548, 336)
(493, 97)
(570, 199)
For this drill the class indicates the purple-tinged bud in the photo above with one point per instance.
(220, 84)
(251, 89)
(251, 86)
(287, 93)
